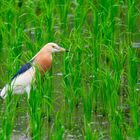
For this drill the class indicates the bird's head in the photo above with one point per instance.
(53, 47)
(48, 49)
(44, 57)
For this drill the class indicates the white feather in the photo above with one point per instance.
(20, 84)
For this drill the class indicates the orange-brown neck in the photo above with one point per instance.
(43, 61)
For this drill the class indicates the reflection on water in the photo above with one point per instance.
(19, 136)
(136, 44)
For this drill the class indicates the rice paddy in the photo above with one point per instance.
(90, 93)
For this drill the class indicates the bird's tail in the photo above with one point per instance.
(0, 94)
(3, 92)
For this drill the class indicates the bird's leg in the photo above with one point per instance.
(28, 88)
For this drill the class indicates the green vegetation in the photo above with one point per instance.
(89, 93)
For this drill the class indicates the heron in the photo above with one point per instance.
(21, 82)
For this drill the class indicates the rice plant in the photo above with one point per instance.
(92, 92)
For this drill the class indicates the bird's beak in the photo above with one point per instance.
(63, 50)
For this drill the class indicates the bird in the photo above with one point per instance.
(21, 82)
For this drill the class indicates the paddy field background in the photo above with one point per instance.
(90, 93)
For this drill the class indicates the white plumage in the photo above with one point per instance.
(21, 83)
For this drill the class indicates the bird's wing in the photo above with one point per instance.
(20, 81)
(23, 80)
(23, 69)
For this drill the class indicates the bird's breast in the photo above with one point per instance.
(43, 62)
